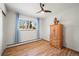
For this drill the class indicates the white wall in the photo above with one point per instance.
(46, 28)
(4, 32)
(70, 20)
(1, 31)
(42, 28)
(11, 19)
(28, 35)
(2, 28)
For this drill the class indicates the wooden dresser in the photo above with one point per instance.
(56, 35)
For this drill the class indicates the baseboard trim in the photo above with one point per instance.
(72, 49)
(64, 46)
(20, 43)
(12, 45)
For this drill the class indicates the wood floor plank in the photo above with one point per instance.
(38, 48)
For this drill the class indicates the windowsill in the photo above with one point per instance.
(27, 29)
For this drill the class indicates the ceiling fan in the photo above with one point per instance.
(43, 10)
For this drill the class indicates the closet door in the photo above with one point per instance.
(55, 34)
(60, 35)
(52, 29)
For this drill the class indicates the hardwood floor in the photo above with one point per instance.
(38, 48)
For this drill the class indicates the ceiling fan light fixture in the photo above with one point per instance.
(42, 12)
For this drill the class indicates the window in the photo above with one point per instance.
(27, 24)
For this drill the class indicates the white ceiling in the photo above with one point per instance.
(30, 9)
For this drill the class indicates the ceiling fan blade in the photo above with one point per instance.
(42, 9)
(39, 11)
(42, 5)
(47, 11)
